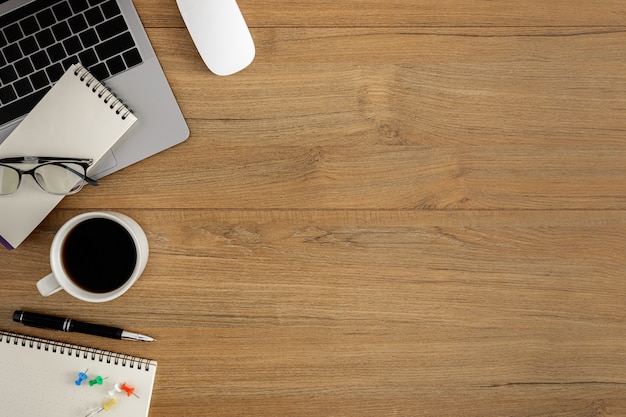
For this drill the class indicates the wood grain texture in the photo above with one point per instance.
(413, 208)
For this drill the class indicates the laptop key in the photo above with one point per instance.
(132, 57)
(78, 23)
(88, 58)
(13, 33)
(61, 31)
(29, 45)
(24, 67)
(7, 94)
(40, 59)
(94, 16)
(116, 65)
(110, 9)
(45, 18)
(67, 62)
(115, 45)
(100, 71)
(12, 53)
(111, 28)
(45, 38)
(8, 74)
(39, 80)
(29, 25)
(56, 52)
(89, 38)
(72, 45)
(62, 11)
(23, 87)
(79, 5)
(55, 72)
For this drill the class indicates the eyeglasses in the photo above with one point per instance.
(60, 176)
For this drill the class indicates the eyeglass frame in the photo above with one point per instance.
(46, 160)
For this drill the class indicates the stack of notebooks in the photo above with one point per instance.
(78, 118)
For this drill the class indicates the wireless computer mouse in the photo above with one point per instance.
(220, 34)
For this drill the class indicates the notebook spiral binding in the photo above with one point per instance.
(75, 350)
(102, 91)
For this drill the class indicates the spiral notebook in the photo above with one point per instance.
(78, 118)
(41, 378)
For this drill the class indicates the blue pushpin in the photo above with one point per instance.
(82, 376)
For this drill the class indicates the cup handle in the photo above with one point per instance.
(48, 285)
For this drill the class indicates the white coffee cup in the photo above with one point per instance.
(96, 257)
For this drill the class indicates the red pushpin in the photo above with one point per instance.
(129, 390)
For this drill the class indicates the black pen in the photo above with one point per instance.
(68, 325)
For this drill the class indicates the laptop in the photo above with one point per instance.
(40, 39)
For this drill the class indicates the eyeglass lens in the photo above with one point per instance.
(65, 178)
(9, 180)
(55, 178)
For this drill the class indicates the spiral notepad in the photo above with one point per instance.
(78, 118)
(40, 378)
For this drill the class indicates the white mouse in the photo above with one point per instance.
(220, 34)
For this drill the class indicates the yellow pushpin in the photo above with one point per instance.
(108, 404)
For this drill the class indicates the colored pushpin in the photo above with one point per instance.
(108, 404)
(82, 376)
(129, 390)
(116, 388)
(98, 380)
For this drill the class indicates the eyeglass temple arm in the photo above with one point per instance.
(40, 159)
(88, 180)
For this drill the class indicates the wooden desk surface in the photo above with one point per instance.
(408, 208)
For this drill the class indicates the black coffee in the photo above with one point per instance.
(99, 255)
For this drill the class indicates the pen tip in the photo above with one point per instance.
(137, 337)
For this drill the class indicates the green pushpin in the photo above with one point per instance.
(98, 381)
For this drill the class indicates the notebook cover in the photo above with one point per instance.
(38, 377)
(78, 118)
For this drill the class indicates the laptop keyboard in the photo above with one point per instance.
(39, 41)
